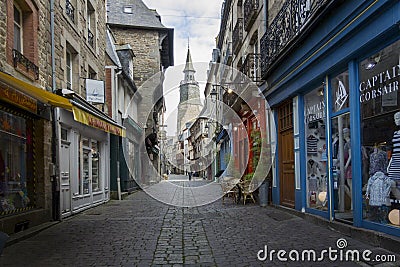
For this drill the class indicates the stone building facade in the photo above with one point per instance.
(25, 123)
(133, 23)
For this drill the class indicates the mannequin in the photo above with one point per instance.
(394, 163)
(347, 160)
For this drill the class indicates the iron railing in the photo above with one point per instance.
(250, 13)
(293, 17)
(90, 38)
(237, 35)
(19, 58)
(252, 67)
(70, 10)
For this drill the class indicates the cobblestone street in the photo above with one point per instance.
(140, 231)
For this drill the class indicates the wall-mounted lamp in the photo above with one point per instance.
(372, 61)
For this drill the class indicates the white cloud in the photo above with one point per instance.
(201, 25)
(198, 20)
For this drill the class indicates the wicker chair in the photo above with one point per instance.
(248, 187)
(229, 188)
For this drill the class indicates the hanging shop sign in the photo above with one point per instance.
(381, 84)
(94, 91)
(17, 98)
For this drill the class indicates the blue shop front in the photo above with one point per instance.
(336, 97)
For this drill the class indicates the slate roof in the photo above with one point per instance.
(141, 15)
(111, 50)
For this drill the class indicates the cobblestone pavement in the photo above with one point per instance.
(140, 231)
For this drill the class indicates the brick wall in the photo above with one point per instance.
(108, 85)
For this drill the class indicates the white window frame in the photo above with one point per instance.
(15, 23)
(69, 68)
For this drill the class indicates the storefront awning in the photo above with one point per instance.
(35, 92)
(91, 120)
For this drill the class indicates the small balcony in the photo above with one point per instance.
(237, 36)
(250, 13)
(24, 64)
(70, 10)
(252, 67)
(294, 18)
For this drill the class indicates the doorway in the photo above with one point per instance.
(341, 168)
(65, 184)
(286, 154)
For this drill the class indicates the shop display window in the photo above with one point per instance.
(16, 159)
(89, 166)
(316, 160)
(95, 166)
(379, 77)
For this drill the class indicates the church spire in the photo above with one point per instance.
(189, 64)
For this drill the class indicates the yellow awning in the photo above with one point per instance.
(35, 92)
(94, 121)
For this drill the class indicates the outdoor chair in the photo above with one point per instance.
(229, 188)
(248, 187)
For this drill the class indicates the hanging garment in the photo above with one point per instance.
(312, 183)
(313, 167)
(324, 156)
(378, 189)
(377, 162)
(312, 144)
(394, 168)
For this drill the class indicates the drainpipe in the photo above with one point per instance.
(266, 14)
(54, 166)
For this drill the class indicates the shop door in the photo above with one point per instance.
(65, 178)
(286, 154)
(341, 168)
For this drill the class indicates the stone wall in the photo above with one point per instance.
(74, 34)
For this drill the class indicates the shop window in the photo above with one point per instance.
(316, 150)
(95, 153)
(379, 77)
(89, 166)
(16, 159)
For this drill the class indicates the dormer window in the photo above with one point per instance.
(128, 9)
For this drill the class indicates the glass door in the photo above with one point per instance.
(341, 167)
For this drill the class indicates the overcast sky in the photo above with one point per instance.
(198, 20)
